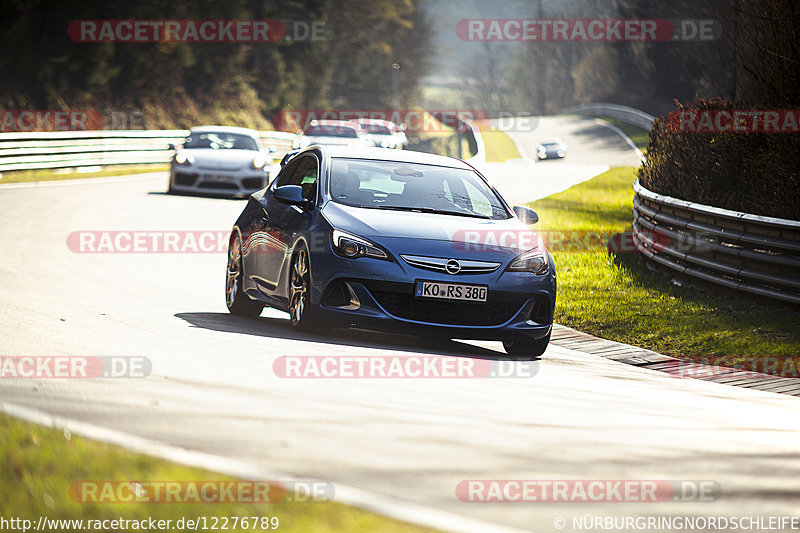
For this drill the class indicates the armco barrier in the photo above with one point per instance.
(748, 253)
(614, 111)
(71, 149)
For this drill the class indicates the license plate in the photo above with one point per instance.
(451, 291)
(219, 179)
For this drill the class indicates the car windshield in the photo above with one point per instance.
(377, 129)
(220, 141)
(401, 186)
(327, 130)
(551, 145)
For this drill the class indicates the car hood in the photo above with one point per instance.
(221, 159)
(463, 233)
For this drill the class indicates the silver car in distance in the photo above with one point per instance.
(220, 160)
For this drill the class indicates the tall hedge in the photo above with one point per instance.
(752, 171)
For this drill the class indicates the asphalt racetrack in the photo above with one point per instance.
(212, 387)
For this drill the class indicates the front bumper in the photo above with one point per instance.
(379, 295)
(552, 155)
(227, 182)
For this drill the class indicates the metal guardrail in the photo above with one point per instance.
(73, 149)
(748, 253)
(615, 111)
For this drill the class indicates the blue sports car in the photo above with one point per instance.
(392, 240)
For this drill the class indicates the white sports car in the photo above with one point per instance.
(220, 160)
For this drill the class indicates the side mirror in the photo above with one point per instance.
(290, 194)
(526, 215)
(170, 146)
(272, 148)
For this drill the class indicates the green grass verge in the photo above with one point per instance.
(499, 146)
(616, 297)
(639, 136)
(41, 464)
(26, 176)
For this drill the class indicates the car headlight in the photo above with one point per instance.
(258, 162)
(534, 261)
(352, 246)
(183, 159)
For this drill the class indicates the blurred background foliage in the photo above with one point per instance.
(754, 60)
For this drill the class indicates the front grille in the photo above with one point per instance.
(459, 313)
(440, 264)
(187, 180)
(217, 185)
(253, 183)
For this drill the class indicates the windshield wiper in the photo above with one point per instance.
(426, 210)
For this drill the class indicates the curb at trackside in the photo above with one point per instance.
(632, 355)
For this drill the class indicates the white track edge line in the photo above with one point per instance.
(401, 510)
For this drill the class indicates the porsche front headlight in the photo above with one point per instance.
(183, 159)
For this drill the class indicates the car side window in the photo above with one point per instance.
(286, 173)
(303, 172)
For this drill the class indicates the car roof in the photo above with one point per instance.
(224, 129)
(378, 121)
(388, 154)
(345, 123)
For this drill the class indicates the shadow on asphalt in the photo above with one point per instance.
(199, 195)
(602, 134)
(279, 328)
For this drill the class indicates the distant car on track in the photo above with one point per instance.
(384, 133)
(552, 149)
(220, 160)
(334, 132)
(384, 239)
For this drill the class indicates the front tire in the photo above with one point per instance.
(237, 301)
(528, 349)
(299, 290)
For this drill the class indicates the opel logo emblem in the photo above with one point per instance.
(452, 267)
